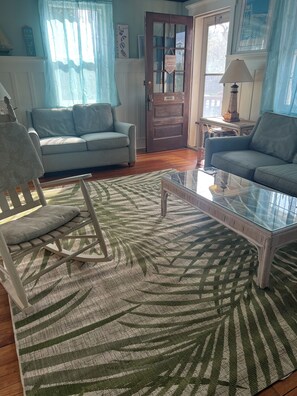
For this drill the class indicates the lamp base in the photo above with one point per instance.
(231, 116)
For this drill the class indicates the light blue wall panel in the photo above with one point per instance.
(17, 13)
(14, 15)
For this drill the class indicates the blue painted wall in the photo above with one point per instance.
(17, 13)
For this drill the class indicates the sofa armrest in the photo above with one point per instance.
(35, 140)
(130, 131)
(216, 144)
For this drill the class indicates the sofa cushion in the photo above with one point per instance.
(243, 163)
(281, 177)
(92, 118)
(276, 135)
(105, 140)
(61, 145)
(53, 122)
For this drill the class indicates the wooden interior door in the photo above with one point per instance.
(168, 73)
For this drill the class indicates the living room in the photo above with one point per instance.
(23, 76)
(133, 321)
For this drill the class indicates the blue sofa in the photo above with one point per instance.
(267, 156)
(82, 136)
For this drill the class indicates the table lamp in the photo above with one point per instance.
(237, 71)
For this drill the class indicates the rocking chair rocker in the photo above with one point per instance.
(47, 225)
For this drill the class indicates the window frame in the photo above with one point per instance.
(217, 18)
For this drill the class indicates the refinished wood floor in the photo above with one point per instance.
(183, 159)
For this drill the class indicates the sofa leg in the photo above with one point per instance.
(131, 164)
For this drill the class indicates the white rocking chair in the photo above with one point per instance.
(47, 225)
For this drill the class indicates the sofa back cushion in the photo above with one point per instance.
(276, 135)
(53, 122)
(93, 118)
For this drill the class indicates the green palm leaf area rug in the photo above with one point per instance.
(176, 311)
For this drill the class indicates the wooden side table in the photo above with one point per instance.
(215, 126)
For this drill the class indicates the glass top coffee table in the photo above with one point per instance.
(265, 217)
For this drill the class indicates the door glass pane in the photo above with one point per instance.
(168, 86)
(216, 44)
(213, 94)
(180, 41)
(158, 34)
(158, 55)
(180, 59)
(170, 36)
(158, 82)
(217, 48)
(179, 82)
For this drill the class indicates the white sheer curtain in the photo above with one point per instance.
(78, 39)
(280, 84)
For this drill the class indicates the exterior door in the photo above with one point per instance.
(168, 73)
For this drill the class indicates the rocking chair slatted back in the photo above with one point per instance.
(15, 201)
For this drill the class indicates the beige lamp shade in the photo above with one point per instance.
(237, 71)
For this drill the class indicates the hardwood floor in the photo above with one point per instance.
(184, 159)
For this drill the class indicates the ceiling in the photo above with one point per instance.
(179, 1)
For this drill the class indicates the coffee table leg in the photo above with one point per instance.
(164, 196)
(265, 256)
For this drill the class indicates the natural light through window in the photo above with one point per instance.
(79, 47)
(217, 39)
(79, 39)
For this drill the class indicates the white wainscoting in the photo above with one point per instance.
(23, 78)
(130, 76)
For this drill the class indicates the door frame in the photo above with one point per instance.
(196, 101)
(174, 19)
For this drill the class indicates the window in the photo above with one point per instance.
(215, 36)
(79, 45)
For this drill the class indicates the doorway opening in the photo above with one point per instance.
(209, 60)
(214, 50)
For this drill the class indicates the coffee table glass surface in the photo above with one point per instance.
(267, 208)
(265, 217)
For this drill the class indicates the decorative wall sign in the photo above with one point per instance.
(170, 63)
(122, 33)
(29, 40)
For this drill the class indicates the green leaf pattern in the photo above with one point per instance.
(176, 312)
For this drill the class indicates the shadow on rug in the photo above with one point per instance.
(177, 312)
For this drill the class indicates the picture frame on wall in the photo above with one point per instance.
(252, 25)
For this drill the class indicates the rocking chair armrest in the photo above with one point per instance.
(65, 180)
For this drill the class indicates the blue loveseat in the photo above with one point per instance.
(268, 156)
(82, 136)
